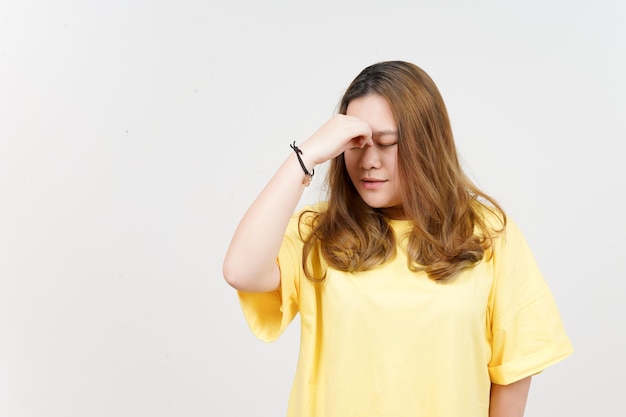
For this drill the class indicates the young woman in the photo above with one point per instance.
(417, 295)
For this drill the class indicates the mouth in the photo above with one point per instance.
(372, 183)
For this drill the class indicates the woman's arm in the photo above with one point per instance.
(509, 400)
(250, 262)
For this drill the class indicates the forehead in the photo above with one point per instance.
(375, 110)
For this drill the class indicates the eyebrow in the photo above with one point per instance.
(385, 133)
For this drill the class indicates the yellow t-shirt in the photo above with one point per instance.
(390, 342)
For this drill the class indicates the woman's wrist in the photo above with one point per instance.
(306, 164)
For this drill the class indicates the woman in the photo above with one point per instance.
(417, 296)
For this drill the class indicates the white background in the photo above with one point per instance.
(134, 134)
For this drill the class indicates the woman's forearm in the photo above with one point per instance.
(250, 261)
(509, 400)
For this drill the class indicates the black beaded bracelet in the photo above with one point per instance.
(308, 175)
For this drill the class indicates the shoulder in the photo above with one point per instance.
(303, 220)
(316, 208)
(493, 217)
(510, 247)
(308, 213)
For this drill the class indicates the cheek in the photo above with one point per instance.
(351, 161)
(391, 163)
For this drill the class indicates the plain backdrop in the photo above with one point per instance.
(134, 134)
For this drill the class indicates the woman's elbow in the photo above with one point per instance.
(241, 279)
(233, 276)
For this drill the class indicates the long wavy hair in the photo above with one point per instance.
(447, 211)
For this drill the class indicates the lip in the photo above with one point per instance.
(372, 183)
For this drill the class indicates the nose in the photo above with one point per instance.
(370, 158)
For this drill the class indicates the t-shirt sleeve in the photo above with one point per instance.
(269, 313)
(526, 328)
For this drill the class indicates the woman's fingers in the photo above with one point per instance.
(339, 133)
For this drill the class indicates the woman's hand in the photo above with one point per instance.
(339, 133)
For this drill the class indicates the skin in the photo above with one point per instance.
(373, 168)
(509, 400)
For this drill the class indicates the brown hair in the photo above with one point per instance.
(447, 211)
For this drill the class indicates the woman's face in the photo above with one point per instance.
(374, 168)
